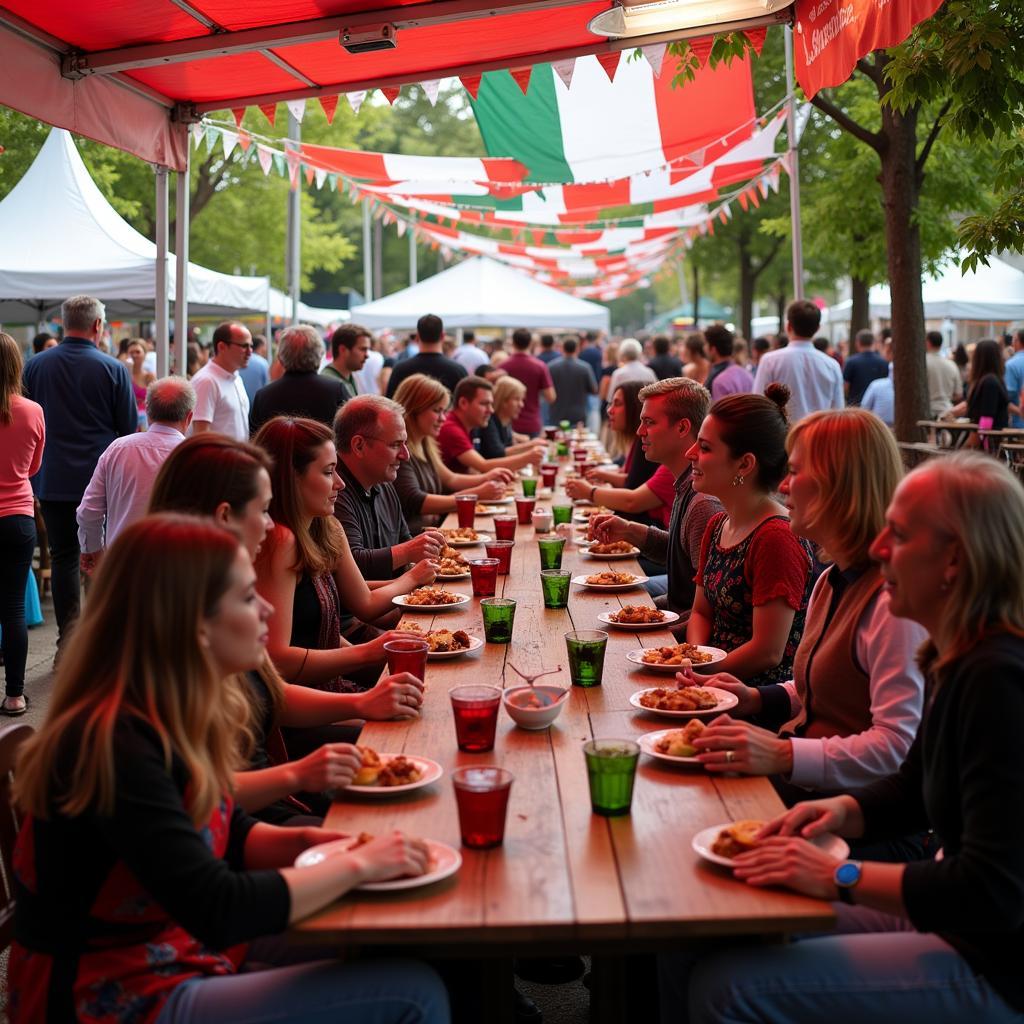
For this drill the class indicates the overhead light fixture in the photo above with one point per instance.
(369, 38)
(627, 19)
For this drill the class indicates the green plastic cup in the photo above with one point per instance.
(555, 585)
(529, 487)
(585, 649)
(550, 552)
(561, 514)
(563, 449)
(611, 769)
(499, 613)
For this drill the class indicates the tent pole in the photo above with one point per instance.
(294, 224)
(367, 254)
(794, 174)
(182, 203)
(413, 269)
(161, 271)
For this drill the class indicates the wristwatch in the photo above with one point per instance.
(846, 876)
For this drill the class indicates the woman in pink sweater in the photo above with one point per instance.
(22, 435)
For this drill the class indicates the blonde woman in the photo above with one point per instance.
(497, 438)
(853, 706)
(139, 878)
(425, 485)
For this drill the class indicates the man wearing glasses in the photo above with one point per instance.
(221, 402)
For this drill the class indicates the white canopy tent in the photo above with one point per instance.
(59, 236)
(480, 292)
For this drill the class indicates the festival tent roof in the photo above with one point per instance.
(482, 293)
(59, 236)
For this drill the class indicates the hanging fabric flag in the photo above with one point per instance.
(723, 214)
(564, 70)
(329, 105)
(297, 108)
(265, 156)
(229, 141)
(212, 134)
(197, 133)
(244, 140)
(803, 115)
(293, 167)
(701, 48)
(471, 83)
(400, 227)
(431, 88)
(610, 63)
(521, 76)
(309, 172)
(744, 201)
(355, 100)
(391, 94)
(655, 54)
(756, 38)
(238, 113)
(332, 181)
(321, 176)
(269, 111)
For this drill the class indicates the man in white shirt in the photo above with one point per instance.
(118, 493)
(221, 402)
(469, 354)
(814, 379)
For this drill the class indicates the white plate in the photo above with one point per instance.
(481, 538)
(636, 657)
(475, 643)
(647, 741)
(834, 846)
(582, 582)
(607, 620)
(585, 550)
(445, 860)
(402, 602)
(491, 510)
(726, 701)
(432, 771)
(442, 578)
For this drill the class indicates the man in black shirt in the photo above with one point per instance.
(430, 359)
(663, 363)
(300, 391)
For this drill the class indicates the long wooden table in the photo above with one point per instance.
(565, 878)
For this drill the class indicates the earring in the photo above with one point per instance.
(737, 480)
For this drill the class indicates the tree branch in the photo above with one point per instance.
(873, 139)
(870, 70)
(758, 269)
(932, 136)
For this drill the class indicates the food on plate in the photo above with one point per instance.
(610, 579)
(678, 654)
(688, 698)
(637, 614)
(587, 512)
(370, 771)
(615, 547)
(679, 742)
(461, 533)
(737, 838)
(449, 566)
(432, 595)
(445, 640)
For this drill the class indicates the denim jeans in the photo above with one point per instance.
(65, 580)
(875, 968)
(319, 992)
(17, 543)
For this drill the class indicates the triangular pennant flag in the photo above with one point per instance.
(355, 100)
(279, 164)
(197, 133)
(400, 226)
(803, 115)
(564, 70)
(521, 77)
(293, 167)
(329, 104)
(211, 137)
(265, 156)
(723, 214)
(391, 94)
(308, 171)
(297, 108)
(762, 187)
(321, 176)
(655, 54)
(754, 199)
(702, 48)
(610, 63)
(269, 111)
(756, 38)
(744, 201)
(430, 88)
(471, 83)
(244, 140)
(230, 140)
(332, 181)
(238, 113)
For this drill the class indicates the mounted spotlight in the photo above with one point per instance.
(369, 38)
(627, 19)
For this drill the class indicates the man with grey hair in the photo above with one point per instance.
(300, 390)
(87, 402)
(369, 431)
(118, 493)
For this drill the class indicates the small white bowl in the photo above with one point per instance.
(535, 718)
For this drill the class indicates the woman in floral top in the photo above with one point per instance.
(754, 577)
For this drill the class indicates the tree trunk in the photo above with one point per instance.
(780, 311)
(860, 310)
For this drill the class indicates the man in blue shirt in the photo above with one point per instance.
(256, 373)
(87, 402)
(1014, 376)
(863, 367)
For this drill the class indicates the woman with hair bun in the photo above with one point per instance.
(754, 577)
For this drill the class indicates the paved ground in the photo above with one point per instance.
(562, 1004)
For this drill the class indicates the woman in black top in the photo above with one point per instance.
(497, 438)
(987, 401)
(936, 940)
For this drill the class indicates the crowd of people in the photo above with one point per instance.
(241, 555)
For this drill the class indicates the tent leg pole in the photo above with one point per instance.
(161, 272)
(794, 174)
(413, 269)
(182, 203)
(294, 225)
(367, 254)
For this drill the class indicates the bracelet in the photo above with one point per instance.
(593, 491)
(298, 675)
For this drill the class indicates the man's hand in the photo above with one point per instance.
(605, 529)
(427, 545)
(88, 562)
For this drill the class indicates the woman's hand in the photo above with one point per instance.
(391, 856)
(397, 696)
(838, 814)
(578, 489)
(792, 862)
(749, 696)
(421, 574)
(490, 489)
(333, 766)
(502, 475)
(373, 650)
(600, 476)
(730, 746)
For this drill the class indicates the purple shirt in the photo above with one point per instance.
(734, 380)
(534, 374)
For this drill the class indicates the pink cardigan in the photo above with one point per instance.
(21, 451)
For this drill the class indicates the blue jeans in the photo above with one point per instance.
(876, 968)
(657, 586)
(319, 992)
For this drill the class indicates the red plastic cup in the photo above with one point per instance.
(465, 509)
(482, 798)
(548, 475)
(485, 576)
(580, 455)
(475, 709)
(550, 433)
(524, 510)
(407, 656)
(502, 551)
(505, 527)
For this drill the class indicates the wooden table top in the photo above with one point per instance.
(564, 874)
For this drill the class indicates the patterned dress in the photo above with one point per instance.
(768, 564)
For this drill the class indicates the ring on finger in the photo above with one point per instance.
(730, 756)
